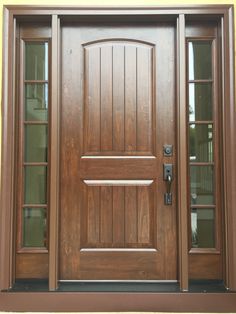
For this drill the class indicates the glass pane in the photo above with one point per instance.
(203, 228)
(36, 143)
(201, 180)
(200, 60)
(36, 61)
(34, 227)
(200, 142)
(200, 101)
(35, 185)
(36, 102)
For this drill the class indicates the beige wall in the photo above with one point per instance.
(97, 2)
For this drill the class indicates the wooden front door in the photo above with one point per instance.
(117, 113)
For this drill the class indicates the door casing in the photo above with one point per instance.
(131, 301)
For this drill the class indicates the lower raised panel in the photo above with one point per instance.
(205, 266)
(118, 214)
(33, 266)
(119, 265)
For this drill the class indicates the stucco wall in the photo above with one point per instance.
(97, 2)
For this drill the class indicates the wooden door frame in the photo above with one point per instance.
(53, 301)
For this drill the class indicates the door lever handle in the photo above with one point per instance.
(169, 181)
(168, 177)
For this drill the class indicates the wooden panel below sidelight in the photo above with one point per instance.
(32, 265)
(205, 266)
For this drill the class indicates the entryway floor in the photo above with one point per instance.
(194, 286)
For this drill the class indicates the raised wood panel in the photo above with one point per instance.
(205, 266)
(118, 97)
(119, 168)
(118, 216)
(31, 266)
(119, 265)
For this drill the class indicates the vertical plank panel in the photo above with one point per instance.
(144, 99)
(130, 98)
(93, 214)
(106, 214)
(92, 98)
(106, 98)
(131, 215)
(118, 215)
(143, 214)
(118, 98)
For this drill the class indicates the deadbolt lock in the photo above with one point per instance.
(168, 150)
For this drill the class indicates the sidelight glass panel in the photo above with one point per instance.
(200, 101)
(36, 61)
(203, 228)
(200, 142)
(36, 143)
(34, 227)
(36, 102)
(200, 60)
(201, 182)
(35, 185)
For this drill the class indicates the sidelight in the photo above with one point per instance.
(201, 144)
(34, 150)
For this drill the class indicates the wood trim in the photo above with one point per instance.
(182, 154)
(229, 143)
(54, 157)
(7, 155)
(117, 301)
(116, 10)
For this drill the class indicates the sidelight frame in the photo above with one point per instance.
(90, 301)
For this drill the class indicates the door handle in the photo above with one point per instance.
(168, 177)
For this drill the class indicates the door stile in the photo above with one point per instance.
(182, 154)
(54, 155)
(229, 145)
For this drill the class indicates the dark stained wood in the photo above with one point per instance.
(118, 168)
(119, 301)
(182, 156)
(207, 266)
(106, 98)
(111, 151)
(229, 147)
(7, 155)
(31, 265)
(54, 141)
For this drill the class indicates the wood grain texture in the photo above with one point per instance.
(115, 214)
(118, 96)
(116, 99)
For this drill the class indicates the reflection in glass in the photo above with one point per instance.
(200, 101)
(36, 143)
(200, 60)
(35, 185)
(36, 102)
(203, 228)
(34, 227)
(36, 61)
(200, 142)
(201, 181)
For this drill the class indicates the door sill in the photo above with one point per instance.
(195, 286)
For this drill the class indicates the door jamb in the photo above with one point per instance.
(11, 14)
